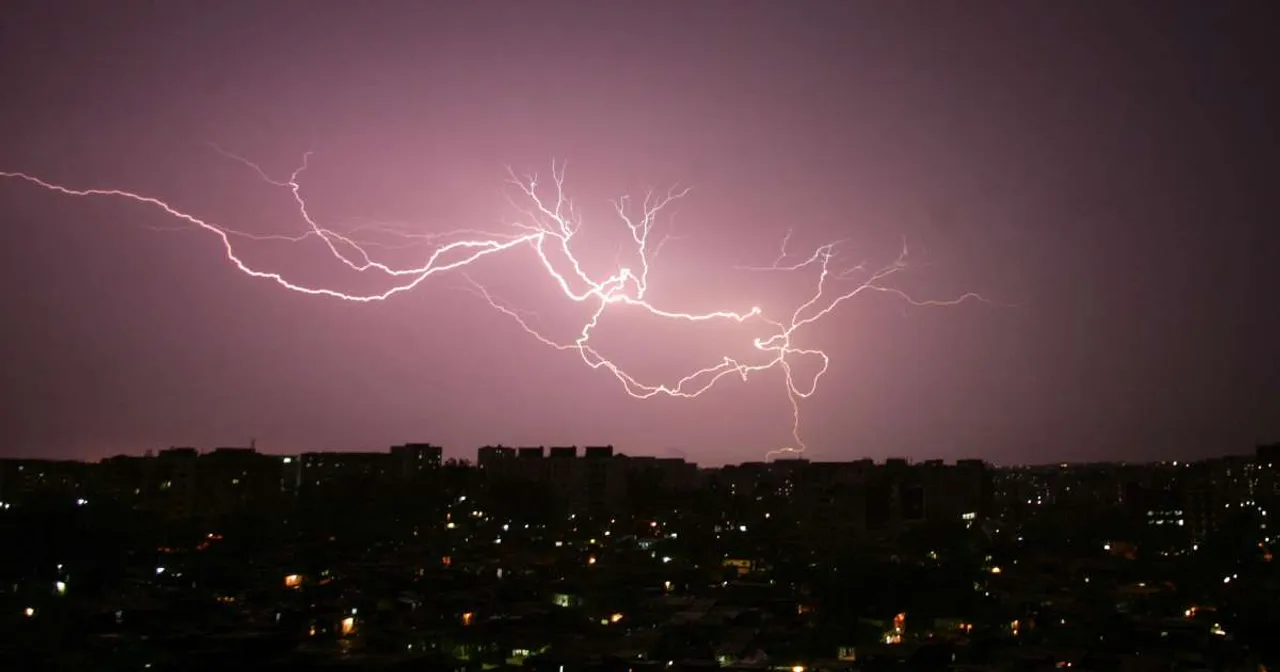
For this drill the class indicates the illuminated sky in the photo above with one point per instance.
(1099, 176)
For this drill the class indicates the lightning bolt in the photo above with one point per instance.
(549, 227)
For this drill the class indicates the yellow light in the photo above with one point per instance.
(995, 570)
(615, 618)
(591, 560)
(467, 618)
(293, 581)
(797, 668)
(348, 625)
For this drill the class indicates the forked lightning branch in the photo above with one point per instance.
(548, 227)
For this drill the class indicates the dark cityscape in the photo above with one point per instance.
(799, 336)
(586, 559)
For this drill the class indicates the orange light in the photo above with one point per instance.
(468, 618)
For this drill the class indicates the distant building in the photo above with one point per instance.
(596, 452)
(347, 469)
(598, 478)
(488, 457)
(229, 479)
(564, 451)
(414, 459)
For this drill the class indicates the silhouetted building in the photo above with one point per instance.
(596, 452)
(488, 457)
(231, 479)
(345, 469)
(564, 451)
(414, 459)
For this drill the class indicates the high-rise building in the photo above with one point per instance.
(413, 459)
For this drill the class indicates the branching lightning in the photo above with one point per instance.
(548, 227)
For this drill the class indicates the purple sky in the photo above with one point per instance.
(1102, 169)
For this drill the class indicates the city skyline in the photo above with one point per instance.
(1101, 189)
(475, 456)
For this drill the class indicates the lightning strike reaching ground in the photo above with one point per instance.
(548, 228)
